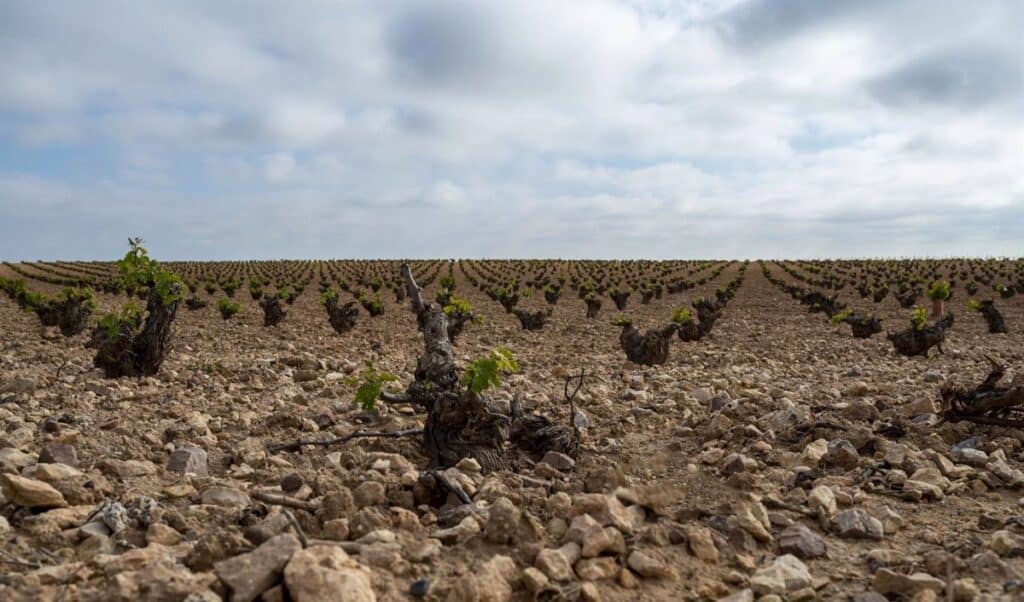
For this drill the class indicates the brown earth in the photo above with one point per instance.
(717, 452)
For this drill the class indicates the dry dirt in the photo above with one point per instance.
(697, 472)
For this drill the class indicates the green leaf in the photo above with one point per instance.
(682, 315)
(371, 384)
(484, 373)
(918, 318)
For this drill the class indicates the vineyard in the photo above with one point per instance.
(511, 429)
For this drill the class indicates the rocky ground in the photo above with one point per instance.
(777, 459)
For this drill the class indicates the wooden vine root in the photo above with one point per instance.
(863, 326)
(649, 348)
(533, 320)
(987, 403)
(71, 314)
(342, 317)
(273, 313)
(911, 342)
(459, 423)
(130, 353)
(995, 321)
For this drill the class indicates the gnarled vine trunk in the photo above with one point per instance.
(995, 321)
(273, 313)
(533, 320)
(343, 317)
(70, 315)
(130, 353)
(620, 299)
(987, 403)
(911, 342)
(863, 326)
(458, 425)
(649, 348)
(461, 424)
(456, 323)
(690, 331)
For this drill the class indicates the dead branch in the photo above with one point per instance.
(988, 403)
(277, 499)
(395, 397)
(298, 444)
(452, 486)
(298, 529)
(415, 292)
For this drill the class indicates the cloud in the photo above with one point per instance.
(278, 167)
(758, 22)
(597, 127)
(962, 78)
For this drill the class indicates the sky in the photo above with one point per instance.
(574, 129)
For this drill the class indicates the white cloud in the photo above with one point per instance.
(278, 167)
(705, 127)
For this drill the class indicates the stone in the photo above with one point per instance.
(735, 463)
(966, 590)
(30, 493)
(369, 493)
(597, 569)
(605, 509)
(744, 595)
(822, 500)
(218, 495)
(920, 406)
(590, 593)
(969, 456)
(336, 529)
(647, 565)
(857, 524)
(799, 540)
(857, 389)
(557, 563)
(887, 581)
(1012, 477)
(580, 526)
(273, 524)
(702, 544)
(814, 452)
(460, 533)
(752, 517)
(534, 580)
(787, 573)
(502, 521)
(596, 541)
(469, 466)
(186, 460)
(126, 469)
(58, 453)
(327, 573)
(292, 482)
(919, 490)
(249, 575)
(1005, 543)
(419, 588)
(843, 454)
(891, 520)
(558, 461)
(162, 534)
(51, 473)
(13, 460)
(18, 386)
